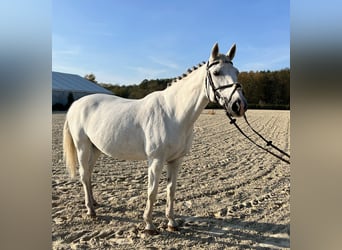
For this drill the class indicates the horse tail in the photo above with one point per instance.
(69, 151)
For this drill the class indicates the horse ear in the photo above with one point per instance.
(231, 52)
(214, 51)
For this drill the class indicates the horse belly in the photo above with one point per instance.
(127, 151)
(124, 146)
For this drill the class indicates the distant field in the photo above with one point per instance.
(230, 194)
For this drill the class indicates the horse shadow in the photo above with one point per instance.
(242, 234)
(209, 229)
(215, 230)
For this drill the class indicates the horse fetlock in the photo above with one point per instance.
(90, 210)
(149, 226)
(148, 220)
(172, 222)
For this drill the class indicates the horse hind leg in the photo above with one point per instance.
(87, 156)
(94, 155)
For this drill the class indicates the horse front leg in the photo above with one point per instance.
(154, 170)
(172, 171)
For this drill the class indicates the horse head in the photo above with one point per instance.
(222, 82)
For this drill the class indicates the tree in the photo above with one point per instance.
(90, 77)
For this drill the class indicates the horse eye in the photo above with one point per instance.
(216, 72)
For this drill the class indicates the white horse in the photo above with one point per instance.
(158, 127)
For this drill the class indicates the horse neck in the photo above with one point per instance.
(186, 98)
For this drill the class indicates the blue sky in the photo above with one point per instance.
(125, 42)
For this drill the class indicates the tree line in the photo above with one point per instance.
(267, 89)
(137, 91)
(262, 89)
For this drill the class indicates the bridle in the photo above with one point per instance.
(217, 96)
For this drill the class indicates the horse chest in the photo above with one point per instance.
(180, 144)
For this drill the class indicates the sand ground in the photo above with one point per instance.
(230, 194)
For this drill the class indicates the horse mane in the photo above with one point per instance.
(190, 70)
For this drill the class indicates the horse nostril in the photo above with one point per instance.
(236, 106)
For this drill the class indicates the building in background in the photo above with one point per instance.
(67, 88)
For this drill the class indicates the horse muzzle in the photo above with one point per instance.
(239, 107)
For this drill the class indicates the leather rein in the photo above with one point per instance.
(217, 96)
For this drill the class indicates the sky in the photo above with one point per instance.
(125, 42)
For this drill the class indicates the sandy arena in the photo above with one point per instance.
(230, 194)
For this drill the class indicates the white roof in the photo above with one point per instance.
(75, 83)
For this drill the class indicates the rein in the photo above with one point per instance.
(236, 86)
(268, 143)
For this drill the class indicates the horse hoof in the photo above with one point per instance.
(172, 228)
(151, 232)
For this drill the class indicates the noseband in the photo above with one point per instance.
(217, 95)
